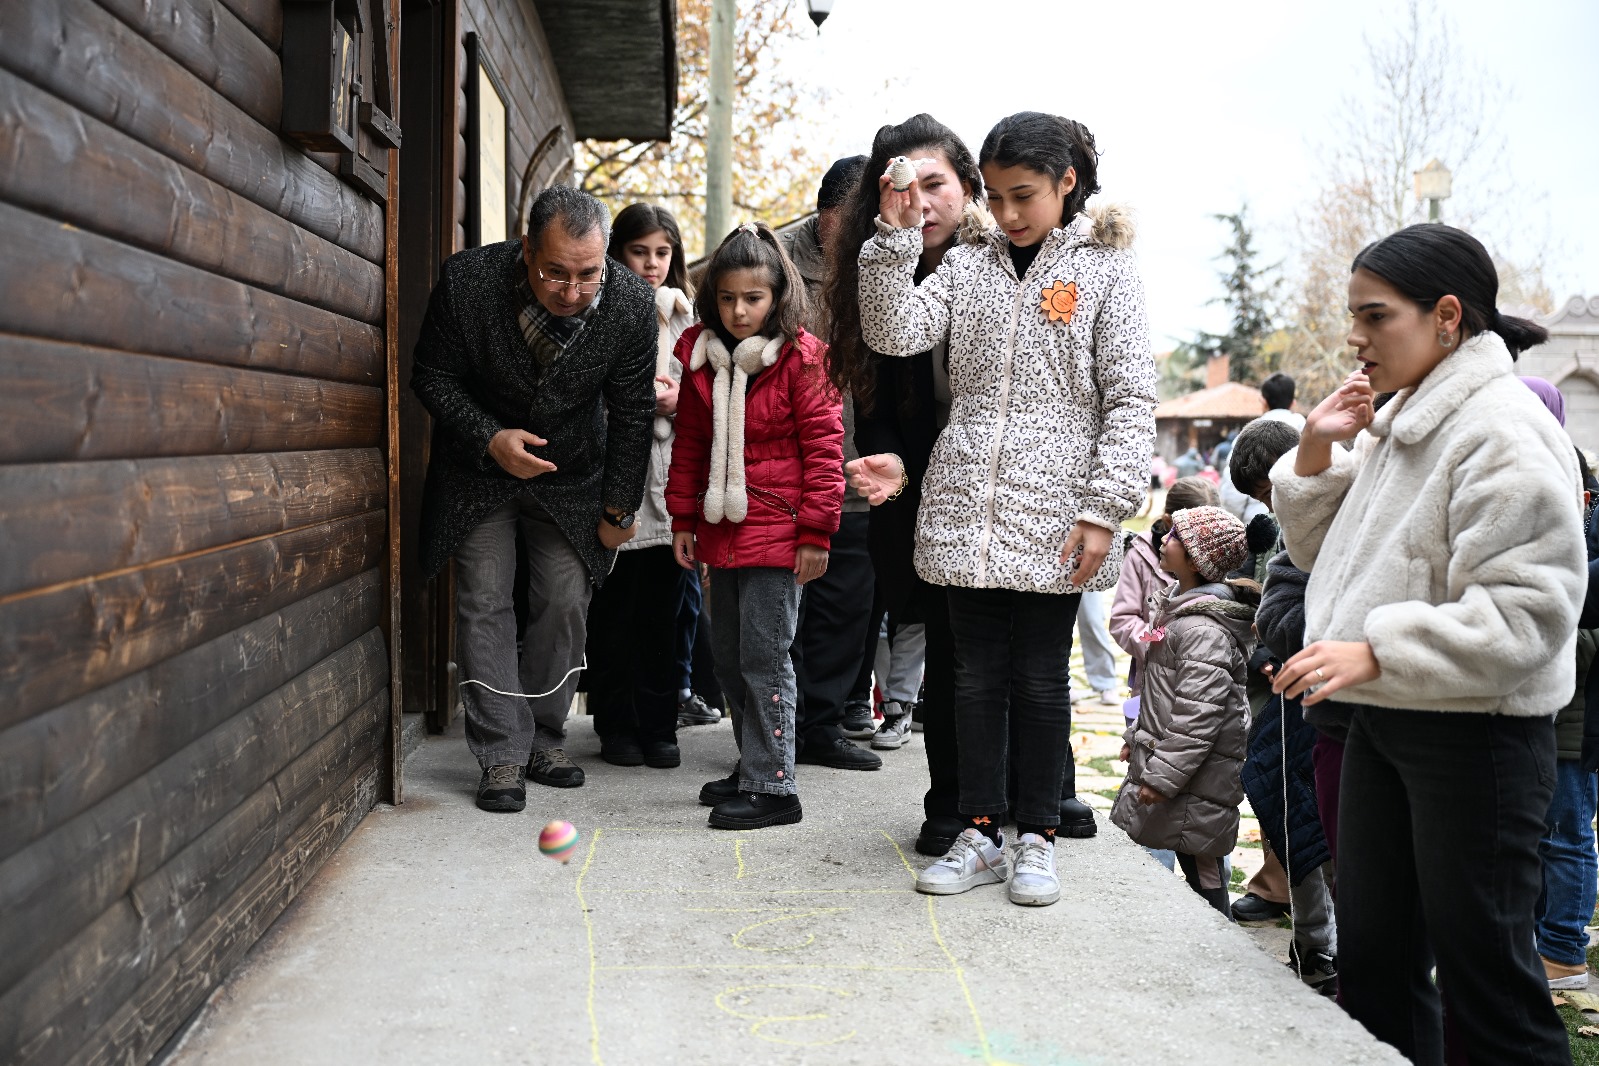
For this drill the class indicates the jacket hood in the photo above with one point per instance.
(1109, 224)
(1232, 606)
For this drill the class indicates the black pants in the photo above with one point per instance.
(831, 638)
(1439, 819)
(1012, 661)
(632, 647)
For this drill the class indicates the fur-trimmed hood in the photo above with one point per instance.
(1099, 222)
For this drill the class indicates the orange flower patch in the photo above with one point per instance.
(1059, 301)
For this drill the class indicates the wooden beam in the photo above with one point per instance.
(264, 17)
(50, 1014)
(58, 643)
(67, 285)
(72, 167)
(63, 47)
(210, 42)
(65, 401)
(394, 392)
(61, 882)
(60, 763)
(81, 519)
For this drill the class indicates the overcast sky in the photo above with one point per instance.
(1200, 107)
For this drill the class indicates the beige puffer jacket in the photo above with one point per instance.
(1192, 731)
(1053, 395)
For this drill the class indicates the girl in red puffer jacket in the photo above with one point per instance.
(755, 492)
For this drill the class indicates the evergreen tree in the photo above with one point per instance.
(1250, 293)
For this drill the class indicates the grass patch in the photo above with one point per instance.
(1237, 877)
(1584, 1049)
(1101, 765)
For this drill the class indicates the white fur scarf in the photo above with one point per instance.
(725, 496)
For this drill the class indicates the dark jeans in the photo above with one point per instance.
(939, 738)
(688, 626)
(753, 612)
(861, 690)
(831, 636)
(1438, 826)
(632, 647)
(1012, 661)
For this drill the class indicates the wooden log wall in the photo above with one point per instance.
(195, 513)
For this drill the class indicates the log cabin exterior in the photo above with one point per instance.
(210, 463)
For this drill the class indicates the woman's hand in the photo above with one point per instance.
(902, 210)
(1341, 416)
(810, 563)
(877, 477)
(1327, 665)
(1148, 796)
(683, 549)
(1094, 542)
(1127, 753)
(665, 395)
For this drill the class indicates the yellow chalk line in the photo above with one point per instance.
(594, 961)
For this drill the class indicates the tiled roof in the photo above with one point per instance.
(1228, 400)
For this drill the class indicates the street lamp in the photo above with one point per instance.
(819, 10)
(1432, 185)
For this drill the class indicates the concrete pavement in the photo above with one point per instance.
(439, 934)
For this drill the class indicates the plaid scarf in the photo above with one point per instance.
(548, 336)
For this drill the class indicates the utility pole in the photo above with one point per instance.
(719, 126)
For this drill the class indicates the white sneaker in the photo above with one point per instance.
(1035, 883)
(971, 861)
(896, 728)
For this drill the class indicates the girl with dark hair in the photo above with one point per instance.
(755, 492)
(633, 672)
(1446, 568)
(900, 406)
(1050, 431)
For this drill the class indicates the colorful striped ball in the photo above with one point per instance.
(558, 840)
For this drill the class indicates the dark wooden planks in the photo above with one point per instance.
(83, 54)
(64, 284)
(211, 43)
(61, 882)
(60, 763)
(65, 401)
(79, 519)
(264, 17)
(145, 938)
(59, 162)
(59, 643)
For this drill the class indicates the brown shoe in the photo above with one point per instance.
(501, 790)
(1562, 976)
(554, 769)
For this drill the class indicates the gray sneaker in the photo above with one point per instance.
(501, 789)
(554, 769)
(971, 861)
(896, 727)
(695, 711)
(1035, 883)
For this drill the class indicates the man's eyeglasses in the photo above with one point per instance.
(583, 288)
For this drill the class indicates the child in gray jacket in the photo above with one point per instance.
(1185, 750)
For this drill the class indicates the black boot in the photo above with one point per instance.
(755, 810)
(719, 791)
(662, 753)
(1076, 819)
(622, 751)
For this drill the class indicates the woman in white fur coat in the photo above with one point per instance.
(633, 670)
(1446, 565)
(1045, 454)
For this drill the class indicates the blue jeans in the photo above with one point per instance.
(1099, 653)
(754, 612)
(1570, 866)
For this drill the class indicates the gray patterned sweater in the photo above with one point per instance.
(1054, 395)
(595, 405)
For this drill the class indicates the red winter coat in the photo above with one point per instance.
(793, 459)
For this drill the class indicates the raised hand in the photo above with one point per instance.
(902, 210)
(876, 477)
(1345, 413)
(512, 449)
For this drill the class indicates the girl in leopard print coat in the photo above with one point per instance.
(1046, 453)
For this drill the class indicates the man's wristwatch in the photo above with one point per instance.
(620, 521)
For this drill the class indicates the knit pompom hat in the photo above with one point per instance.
(1214, 539)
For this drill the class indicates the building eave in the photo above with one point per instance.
(617, 60)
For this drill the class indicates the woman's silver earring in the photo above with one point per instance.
(1446, 339)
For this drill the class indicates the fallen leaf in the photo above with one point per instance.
(1587, 1030)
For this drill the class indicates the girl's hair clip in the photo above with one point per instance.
(750, 228)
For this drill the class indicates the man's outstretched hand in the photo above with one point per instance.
(512, 449)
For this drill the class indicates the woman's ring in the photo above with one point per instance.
(1319, 675)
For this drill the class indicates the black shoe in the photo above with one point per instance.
(916, 712)
(1319, 970)
(1076, 819)
(554, 769)
(755, 810)
(621, 751)
(719, 791)
(858, 723)
(662, 754)
(938, 835)
(840, 754)
(695, 711)
(1251, 908)
(502, 789)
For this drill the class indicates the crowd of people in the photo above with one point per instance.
(901, 441)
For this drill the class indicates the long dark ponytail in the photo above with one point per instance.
(850, 364)
(1430, 260)
(1048, 144)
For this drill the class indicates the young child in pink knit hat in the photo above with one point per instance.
(1187, 746)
